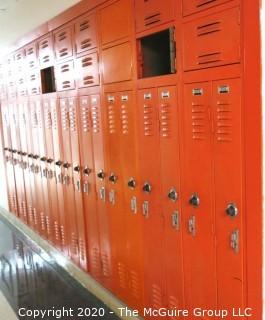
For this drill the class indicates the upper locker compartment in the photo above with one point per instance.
(193, 6)
(115, 21)
(45, 46)
(63, 45)
(20, 72)
(87, 70)
(85, 33)
(31, 56)
(212, 41)
(150, 13)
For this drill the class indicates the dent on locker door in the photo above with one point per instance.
(228, 191)
(198, 237)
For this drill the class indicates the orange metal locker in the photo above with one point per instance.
(114, 196)
(58, 160)
(86, 125)
(7, 144)
(50, 175)
(150, 13)
(153, 220)
(206, 43)
(99, 142)
(112, 24)
(67, 178)
(171, 195)
(86, 33)
(228, 178)
(76, 167)
(17, 160)
(36, 168)
(132, 206)
(194, 6)
(63, 45)
(87, 70)
(197, 195)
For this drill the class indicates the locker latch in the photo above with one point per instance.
(66, 180)
(146, 209)
(134, 204)
(192, 226)
(232, 210)
(172, 194)
(78, 185)
(85, 187)
(194, 200)
(234, 243)
(102, 194)
(147, 188)
(112, 197)
(113, 178)
(175, 220)
(131, 183)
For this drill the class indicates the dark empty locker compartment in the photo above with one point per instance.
(85, 33)
(212, 41)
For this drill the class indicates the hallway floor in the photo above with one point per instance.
(29, 282)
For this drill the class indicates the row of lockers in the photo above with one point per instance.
(205, 44)
(116, 198)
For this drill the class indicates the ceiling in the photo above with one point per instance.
(18, 17)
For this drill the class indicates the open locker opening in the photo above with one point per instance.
(48, 80)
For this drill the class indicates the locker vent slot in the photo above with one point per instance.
(224, 122)
(44, 44)
(30, 51)
(86, 44)
(199, 121)
(209, 58)
(151, 19)
(84, 25)
(95, 119)
(48, 80)
(208, 28)
(63, 52)
(202, 3)
(86, 62)
(157, 54)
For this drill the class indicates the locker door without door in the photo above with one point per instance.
(132, 212)
(98, 141)
(153, 221)
(80, 218)
(88, 183)
(50, 175)
(7, 143)
(36, 168)
(171, 197)
(44, 170)
(197, 200)
(115, 194)
(58, 160)
(228, 191)
(69, 196)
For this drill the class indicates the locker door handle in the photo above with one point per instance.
(175, 220)
(145, 208)
(102, 194)
(173, 195)
(232, 210)
(78, 185)
(85, 187)
(235, 240)
(112, 197)
(131, 183)
(101, 175)
(192, 226)
(87, 171)
(194, 200)
(134, 205)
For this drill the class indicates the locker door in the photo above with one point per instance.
(33, 82)
(44, 169)
(153, 221)
(24, 159)
(36, 169)
(115, 194)
(50, 175)
(63, 43)
(98, 142)
(58, 160)
(33, 217)
(228, 191)
(67, 176)
(45, 48)
(22, 207)
(171, 196)
(193, 6)
(7, 144)
(88, 183)
(132, 212)
(79, 208)
(65, 76)
(85, 33)
(87, 71)
(197, 199)
(31, 56)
